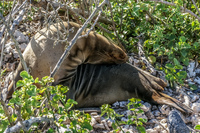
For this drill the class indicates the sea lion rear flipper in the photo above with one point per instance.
(161, 98)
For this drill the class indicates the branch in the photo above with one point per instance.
(196, 6)
(27, 124)
(73, 41)
(182, 8)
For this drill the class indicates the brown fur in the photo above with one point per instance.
(91, 84)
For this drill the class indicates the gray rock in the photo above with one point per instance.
(176, 124)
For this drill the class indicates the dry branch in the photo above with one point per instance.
(27, 124)
(73, 41)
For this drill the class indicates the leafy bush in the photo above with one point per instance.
(171, 38)
(31, 101)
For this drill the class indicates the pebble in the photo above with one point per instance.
(165, 109)
(101, 126)
(156, 113)
(151, 131)
(196, 107)
(146, 107)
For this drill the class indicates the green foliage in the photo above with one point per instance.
(197, 127)
(168, 33)
(30, 99)
(5, 7)
(134, 106)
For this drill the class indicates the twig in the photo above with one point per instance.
(27, 124)
(5, 110)
(182, 8)
(142, 54)
(196, 6)
(86, 35)
(73, 41)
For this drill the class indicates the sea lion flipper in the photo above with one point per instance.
(161, 98)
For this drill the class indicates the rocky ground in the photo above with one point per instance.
(160, 118)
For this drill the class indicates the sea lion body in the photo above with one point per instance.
(95, 70)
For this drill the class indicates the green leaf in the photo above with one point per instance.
(182, 39)
(141, 129)
(87, 125)
(176, 62)
(193, 87)
(182, 74)
(32, 90)
(19, 83)
(24, 75)
(197, 127)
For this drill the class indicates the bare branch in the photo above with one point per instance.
(73, 41)
(196, 6)
(182, 8)
(27, 124)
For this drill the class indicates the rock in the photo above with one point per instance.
(151, 131)
(97, 118)
(196, 107)
(154, 107)
(20, 37)
(176, 124)
(143, 116)
(194, 98)
(109, 122)
(94, 114)
(146, 107)
(101, 126)
(165, 109)
(115, 105)
(156, 113)
(195, 119)
(187, 100)
(149, 115)
(128, 112)
(15, 54)
(157, 128)
(93, 121)
(23, 47)
(124, 119)
(105, 124)
(123, 104)
(190, 68)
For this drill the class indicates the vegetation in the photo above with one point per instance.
(170, 36)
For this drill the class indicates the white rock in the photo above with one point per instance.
(105, 124)
(151, 131)
(196, 107)
(124, 119)
(116, 104)
(190, 68)
(165, 109)
(195, 119)
(20, 37)
(15, 54)
(164, 131)
(146, 107)
(9, 44)
(23, 47)
(109, 122)
(7, 49)
(93, 121)
(128, 112)
(123, 104)
(101, 126)
(143, 116)
(158, 128)
(187, 100)
(93, 113)
(194, 98)
(163, 121)
(97, 118)
(7, 57)
(197, 70)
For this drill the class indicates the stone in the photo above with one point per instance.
(146, 107)
(101, 126)
(165, 109)
(196, 107)
(176, 124)
(151, 131)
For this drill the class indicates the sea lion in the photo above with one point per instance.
(95, 71)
